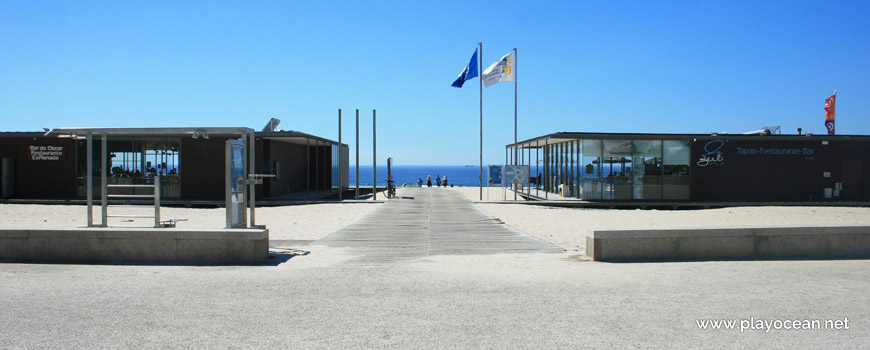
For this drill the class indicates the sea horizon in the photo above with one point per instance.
(457, 175)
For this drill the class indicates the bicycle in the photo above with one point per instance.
(391, 188)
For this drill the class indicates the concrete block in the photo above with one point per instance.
(63, 234)
(590, 247)
(13, 233)
(134, 245)
(790, 246)
(807, 242)
(137, 234)
(223, 234)
(214, 251)
(848, 245)
(719, 247)
(134, 250)
(798, 231)
(13, 249)
(638, 249)
(54, 249)
(672, 232)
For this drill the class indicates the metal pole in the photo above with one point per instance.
(245, 176)
(307, 167)
(317, 166)
(357, 155)
(90, 179)
(515, 115)
(570, 165)
(545, 181)
(374, 154)
(480, 84)
(579, 174)
(551, 167)
(576, 168)
(104, 184)
(228, 187)
(339, 155)
(253, 170)
(157, 201)
(563, 165)
(527, 160)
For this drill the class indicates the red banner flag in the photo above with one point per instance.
(830, 103)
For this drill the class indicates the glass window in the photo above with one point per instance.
(617, 169)
(590, 169)
(646, 169)
(675, 170)
(676, 157)
(135, 161)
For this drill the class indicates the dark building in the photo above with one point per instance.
(700, 168)
(189, 161)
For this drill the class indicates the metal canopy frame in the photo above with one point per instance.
(245, 135)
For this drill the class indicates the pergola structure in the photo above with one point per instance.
(237, 170)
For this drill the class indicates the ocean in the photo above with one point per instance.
(407, 174)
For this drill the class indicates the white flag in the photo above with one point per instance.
(502, 70)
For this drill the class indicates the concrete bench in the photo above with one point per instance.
(722, 243)
(134, 246)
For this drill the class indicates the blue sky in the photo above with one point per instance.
(603, 66)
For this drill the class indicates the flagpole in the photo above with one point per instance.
(480, 83)
(515, 115)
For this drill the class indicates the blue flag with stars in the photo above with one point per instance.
(469, 72)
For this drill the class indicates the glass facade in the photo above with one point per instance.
(617, 169)
(135, 161)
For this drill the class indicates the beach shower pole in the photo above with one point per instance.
(374, 155)
(357, 155)
(339, 155)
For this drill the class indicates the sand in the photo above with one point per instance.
(296, 222)
(566, 227)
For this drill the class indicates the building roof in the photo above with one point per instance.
(560, 137)
(281, 135)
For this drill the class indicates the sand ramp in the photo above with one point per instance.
(431, 221)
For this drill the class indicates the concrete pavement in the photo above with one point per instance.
(318, 296)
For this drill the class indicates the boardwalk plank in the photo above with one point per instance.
(430, 221)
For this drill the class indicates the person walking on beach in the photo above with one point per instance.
(429, 180)
(419, 182)
(444, 181)
(438, 180)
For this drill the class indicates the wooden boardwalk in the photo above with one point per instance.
(430, 221)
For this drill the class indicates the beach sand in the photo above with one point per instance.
(295, 222)
(566, 227)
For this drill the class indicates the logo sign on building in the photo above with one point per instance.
(516, 174)
(712, 154)
(46, 152)
(494, 174)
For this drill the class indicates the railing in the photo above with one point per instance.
(155, 188)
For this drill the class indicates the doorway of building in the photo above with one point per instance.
(8, 174)
(852, 174)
